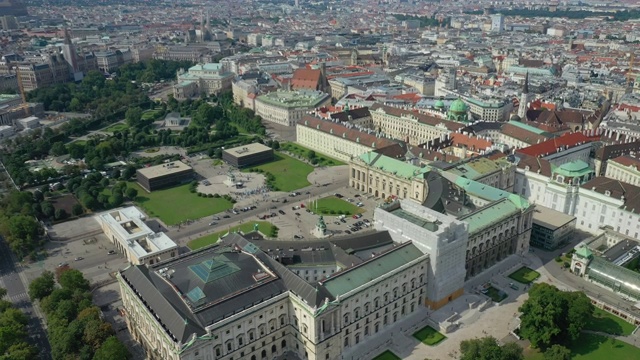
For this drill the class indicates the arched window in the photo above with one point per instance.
(282, 320)
(218, 351)
(262, 329)
(304, 328)
(283, 344)
(229, 345)
(346, 318)
(264, 354)
(240, 340)
(376, 303)
(252, 334)
(274, 349)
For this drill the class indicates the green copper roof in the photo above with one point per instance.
(351, 279)
(458, 106)
(439, 104)
(489, 192)
(533, 129)
(394, 166)
(584, 252)
(214, 269)
(573, 169)
(489, 215)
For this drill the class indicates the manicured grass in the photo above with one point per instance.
(608, 323)
(387, 355)
(175, 205)
(593, 347)
(328, 204)
(429, 336)
(264, 227)
(151, 114)
(289, 174)
(322, 160)
(495, 294)
(524, 275)
(116, 127)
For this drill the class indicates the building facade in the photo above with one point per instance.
(265, 310)
(409, 126)
(208, 79)
(288, 107)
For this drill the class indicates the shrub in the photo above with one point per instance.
(216, 195)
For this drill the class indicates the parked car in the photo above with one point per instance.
(216, 218)
(226, 216)
(298, 237)
(297, 214)
(63, 264)
(281, 212)
(347, 232)
(111, 252)
(273, 214)
(339, 196)
(359, 204)
(213, 223)
(79, 258)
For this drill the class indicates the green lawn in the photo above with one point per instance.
(524, 275)
(495, 294)
(387, 355)
(177, 204)
(151, 114)
(116, 127)
(594, 347)
(429, 336)
(608, 323)
(264, 227)
(290, 174)
(332, 203)
(322, 160)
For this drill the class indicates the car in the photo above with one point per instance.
(298, 237)
(62, 264)
(216, 218)
(353, 229)
(355, 216)
(253, 207)
(226, 216)
(347, 232)
(284, 201)
(343, 221)
(366, 220)
(356, 195)
(308, 192)
(514, 286)
(273, 214)
(281, 212)
(307, 210)
(213, 223)
(337, 222)
(359, 204)
(301, 205)
(111, 252)
(349, 199)
(273, 207)
(339, 196)
(79, 258)
(297, 214)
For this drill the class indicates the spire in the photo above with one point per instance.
(67, 37)
(525, 87)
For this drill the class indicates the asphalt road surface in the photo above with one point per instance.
(10, 279)
(202, 225)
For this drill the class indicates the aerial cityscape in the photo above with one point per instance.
(321, 180)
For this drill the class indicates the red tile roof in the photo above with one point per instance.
(305, 79)
(423, 118)
(472, 143)
(551, 146)
(626, 160)
(339, 130)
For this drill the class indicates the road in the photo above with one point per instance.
(577, 283)
(202, 225)
(12, 279)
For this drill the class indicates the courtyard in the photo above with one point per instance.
(288, 173)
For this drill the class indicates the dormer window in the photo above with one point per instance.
(607, 193)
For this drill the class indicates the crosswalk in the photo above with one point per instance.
(18, 297)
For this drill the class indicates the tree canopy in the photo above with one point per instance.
(550, 316)
(13, 333)
(487, 348)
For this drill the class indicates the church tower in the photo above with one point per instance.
(524, 99)
(69, 52)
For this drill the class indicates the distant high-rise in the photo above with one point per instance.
(524, 99)
(497, 23)
(13, 7)
(297, 3)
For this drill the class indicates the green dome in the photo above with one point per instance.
(458, 106)
(439, 104)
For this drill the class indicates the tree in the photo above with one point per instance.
(58, 148)
(128, 172)
(20, 351)
(550, 316)
(116, 199)
(73, 279)
(487, 348)
(3, 292)
(47, 209)
(557, 352)
(61, 214)
(131, 193)
(133, 117)
(41, 286)
(77, 210)
(112, 349)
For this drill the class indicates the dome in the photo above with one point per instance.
(458, 106)
(515, 117)
(439, 104)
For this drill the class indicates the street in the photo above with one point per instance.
(13, 280)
